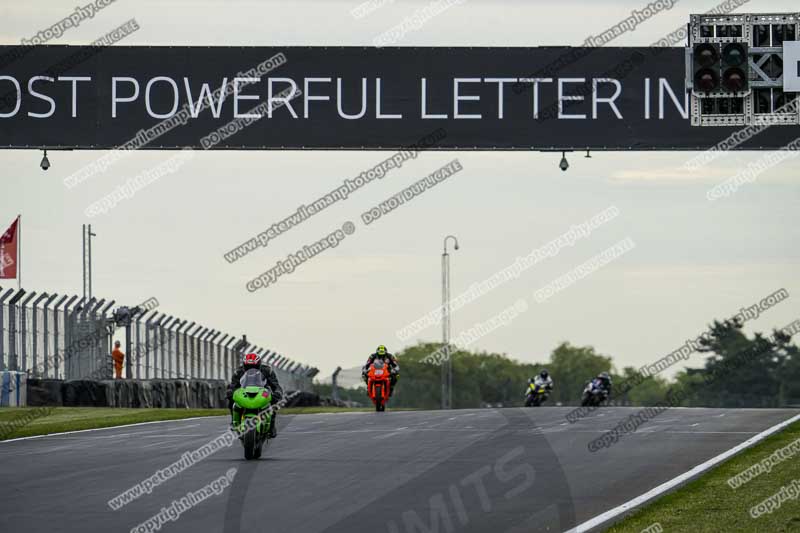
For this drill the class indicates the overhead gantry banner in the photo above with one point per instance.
(552, 98)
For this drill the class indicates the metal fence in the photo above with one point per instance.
(68, 337)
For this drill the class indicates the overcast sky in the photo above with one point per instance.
(694, 260)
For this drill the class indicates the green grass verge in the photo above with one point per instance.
(709, 505)
(28, 421)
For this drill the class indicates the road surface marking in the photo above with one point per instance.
(156, 444)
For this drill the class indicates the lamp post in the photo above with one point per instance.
(87, 260)
(447, 367)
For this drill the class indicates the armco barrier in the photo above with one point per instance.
(13, 389)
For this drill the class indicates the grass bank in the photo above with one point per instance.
(29, 421)
(710, 504)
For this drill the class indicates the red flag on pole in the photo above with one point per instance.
(9, 242)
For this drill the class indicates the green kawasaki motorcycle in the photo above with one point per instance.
(251, 412)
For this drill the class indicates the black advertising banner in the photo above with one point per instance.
(167, 97)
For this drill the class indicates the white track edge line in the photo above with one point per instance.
(105, 428)
(664, 487)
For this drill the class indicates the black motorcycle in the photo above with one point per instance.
(594, 394)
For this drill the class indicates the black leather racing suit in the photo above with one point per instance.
(272, 382)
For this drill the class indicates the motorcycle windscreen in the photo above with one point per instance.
(252, 378)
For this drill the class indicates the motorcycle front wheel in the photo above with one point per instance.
(528, 401)
(250, 443)
(378, 398)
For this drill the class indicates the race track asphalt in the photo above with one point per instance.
(495, 470)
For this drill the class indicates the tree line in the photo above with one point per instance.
(739, 371)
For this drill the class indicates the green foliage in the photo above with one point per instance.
(491, 378)
(740, 372)
(571, 367)
(650, 391)
(356, 394)
(743, 372)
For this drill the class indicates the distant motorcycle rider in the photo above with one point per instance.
(543, 380)
(382, 353)
(604, 381)
(251, 361)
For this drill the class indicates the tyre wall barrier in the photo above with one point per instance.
(181, 393)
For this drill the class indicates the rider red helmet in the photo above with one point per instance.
(251, 359)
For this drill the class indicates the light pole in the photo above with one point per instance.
(87, 260)
(334, 384)
(447, 367)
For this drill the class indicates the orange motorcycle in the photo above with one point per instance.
(378, 383)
